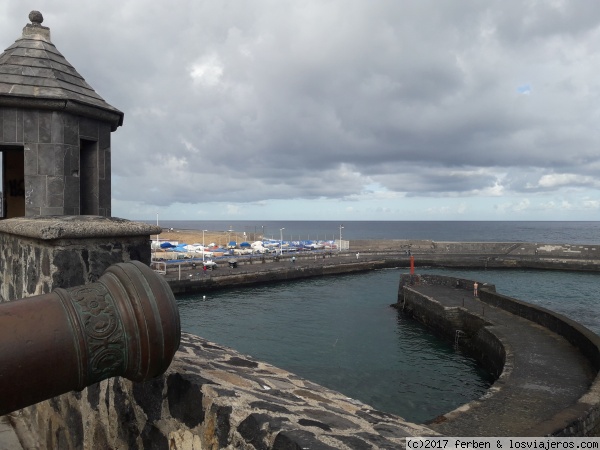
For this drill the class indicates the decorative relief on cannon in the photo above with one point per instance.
(102, 331)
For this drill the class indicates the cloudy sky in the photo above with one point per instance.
(341, 109)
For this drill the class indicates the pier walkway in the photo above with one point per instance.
(544, 374)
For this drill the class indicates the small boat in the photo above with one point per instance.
(210, 264)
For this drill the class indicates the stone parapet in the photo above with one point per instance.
(76, 227)
(39, 254)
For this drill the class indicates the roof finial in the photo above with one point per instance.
(35, 29)
(36, 18)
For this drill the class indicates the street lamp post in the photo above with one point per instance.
(341, 228)
(157, 245)
(203, 246)
(281, 240)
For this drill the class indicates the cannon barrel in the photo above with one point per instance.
(125, 324)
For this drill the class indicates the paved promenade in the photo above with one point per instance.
(544, 375)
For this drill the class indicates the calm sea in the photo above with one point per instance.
(549, 232)
(341, 332)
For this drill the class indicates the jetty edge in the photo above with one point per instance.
(546, 365)
(186, 276)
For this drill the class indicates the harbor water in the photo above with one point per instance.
(342, 333)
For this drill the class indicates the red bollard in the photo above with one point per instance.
(412, 265)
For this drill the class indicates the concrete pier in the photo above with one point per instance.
(546, 385)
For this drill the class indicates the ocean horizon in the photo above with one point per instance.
(552, 232)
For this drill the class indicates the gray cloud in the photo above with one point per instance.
(238, 102)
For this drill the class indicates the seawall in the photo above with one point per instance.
(187, 276)
(194, 280)
(546, 385)
(474, 336)
(497, 255)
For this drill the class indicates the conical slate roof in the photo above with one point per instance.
(34, 74)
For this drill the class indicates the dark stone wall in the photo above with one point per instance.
(476, 340)
(244, 278)
(38, 268)
(51, 143)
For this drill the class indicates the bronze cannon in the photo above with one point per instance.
(125, 324)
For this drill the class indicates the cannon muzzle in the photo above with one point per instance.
(125, 324)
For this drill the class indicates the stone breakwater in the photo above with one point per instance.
(547, 365)
(488, 254)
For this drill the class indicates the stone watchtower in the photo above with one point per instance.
(57, 228)
(54, 132)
